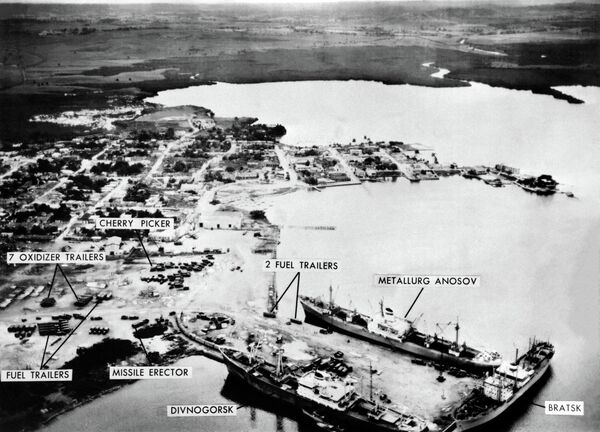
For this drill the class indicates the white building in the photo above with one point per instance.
(167, 235)
(221, 220)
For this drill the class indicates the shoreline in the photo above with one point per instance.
(30, 425)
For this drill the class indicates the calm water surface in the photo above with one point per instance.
(538, 256)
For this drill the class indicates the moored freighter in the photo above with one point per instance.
(502, 389)
(399, 333)
(309, 389)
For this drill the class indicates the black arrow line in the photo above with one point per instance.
(44, 352)
(145, 352)
(538, 405)
(297, 294)
(70, 334)
(143, 247)
(413, 303)
(288, 287)
(68, 283)
(52, 283)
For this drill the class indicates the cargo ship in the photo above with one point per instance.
(399, 334)
(331, 397)
(502, 389)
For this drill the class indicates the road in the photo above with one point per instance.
(285, 164)
(404, 168)
(18, 166)
(349, 171)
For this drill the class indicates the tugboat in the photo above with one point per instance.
(508, 383)
(399, 333)
(331, 399)
(495, 182)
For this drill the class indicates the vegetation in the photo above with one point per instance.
(138, 192)
(121, 168)
(22, 402)
(257, 215)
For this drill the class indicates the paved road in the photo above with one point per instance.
(285, 164)
(336, 154)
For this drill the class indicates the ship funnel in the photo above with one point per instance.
(389, 311)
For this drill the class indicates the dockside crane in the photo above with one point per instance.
(443, 326)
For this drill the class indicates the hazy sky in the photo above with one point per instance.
(507, 2)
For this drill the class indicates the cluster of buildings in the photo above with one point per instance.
(318, 166)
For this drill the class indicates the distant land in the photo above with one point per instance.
(57, 57)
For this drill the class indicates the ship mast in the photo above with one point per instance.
(370, 381)
(330, 296)
(381, 308)
(457, 328)
(272, 292)
(279, 369)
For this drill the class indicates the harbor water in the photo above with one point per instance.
(538, 257)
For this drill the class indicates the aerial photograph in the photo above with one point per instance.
(300, 216)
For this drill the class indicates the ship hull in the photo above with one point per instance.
(478, 423)
(349, 420)
(408, 347)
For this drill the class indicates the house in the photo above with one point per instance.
(322, 181)
(247, 176)
(339, 176)
(167, 235)
(113, 246)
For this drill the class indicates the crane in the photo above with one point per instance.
(416, 320)
(445, 326)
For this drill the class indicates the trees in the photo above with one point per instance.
(180, 166)
(170, 133)
(257, 215)
(121, 168)
(311, 181)
(137, 193)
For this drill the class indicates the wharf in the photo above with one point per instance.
(338, 184)
(212, 352)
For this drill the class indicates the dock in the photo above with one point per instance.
(211, 351)
(452, 426)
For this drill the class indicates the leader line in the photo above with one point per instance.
(44, 352)
(69, 283)
(143, 247)
(70, 334)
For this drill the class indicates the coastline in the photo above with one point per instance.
(31, 424)
(102, 88)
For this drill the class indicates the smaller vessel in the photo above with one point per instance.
(504, 387)
(495, 182)
(542, 185)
